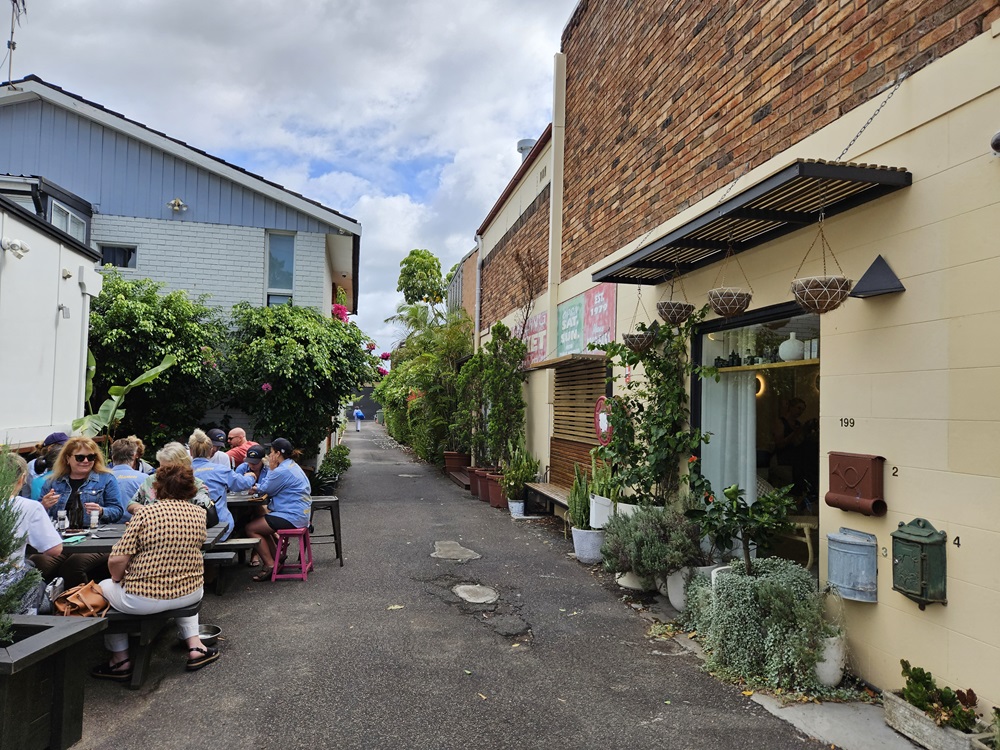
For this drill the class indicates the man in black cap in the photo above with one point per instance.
(254, 463)
(219, 456)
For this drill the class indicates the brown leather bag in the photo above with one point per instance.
(85, 600)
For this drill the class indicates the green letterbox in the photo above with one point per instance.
(919, 569)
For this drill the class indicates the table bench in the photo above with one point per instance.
(146, 628)
(550, 495)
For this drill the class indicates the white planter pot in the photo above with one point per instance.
(720, 571)
(634, 582)
(587, 545)
(600, 511)
(625, 509)
(516, 509)
(676, 585)
(830, 667)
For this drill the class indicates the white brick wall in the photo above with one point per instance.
(225, 262)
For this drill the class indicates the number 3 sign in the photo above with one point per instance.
(602, 426)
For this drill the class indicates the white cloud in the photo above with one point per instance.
(404, 116)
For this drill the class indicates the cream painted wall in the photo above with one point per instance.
(537, 177)
(917, 371)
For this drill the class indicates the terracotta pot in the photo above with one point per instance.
(497, 497)
(483, 475)
(455, 461)
(473, 482)
(820, 294)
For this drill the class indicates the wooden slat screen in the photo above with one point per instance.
(577, 389)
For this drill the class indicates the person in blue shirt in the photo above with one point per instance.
(289, 500)
(254, 463)
(124, 456)
(216, 477)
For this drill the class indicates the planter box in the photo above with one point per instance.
(911, 722)
(455, 461)
(42, 682)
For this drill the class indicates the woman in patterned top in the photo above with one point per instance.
(157, 565)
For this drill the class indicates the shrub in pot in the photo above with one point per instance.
(587, 542)
(519, 469)
(604, 492)
(650, 543)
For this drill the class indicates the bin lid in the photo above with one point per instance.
(852, 537)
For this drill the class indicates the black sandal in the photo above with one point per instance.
(105, 671)
(208, 655)
(263, 575)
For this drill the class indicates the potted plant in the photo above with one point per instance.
(648, 544)
(41, 681)
(604, 492)
(503, 381)
(469, 427)
(586, 541)
(520, 469)
(934, 717)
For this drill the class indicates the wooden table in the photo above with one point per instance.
(244, 501)
(106, 536)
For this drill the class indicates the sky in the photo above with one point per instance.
(402, 114)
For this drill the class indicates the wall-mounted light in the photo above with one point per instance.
(65, 311)
(760, 385)
(17, 248)
(177, 205)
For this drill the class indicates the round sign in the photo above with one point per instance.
(602, 422)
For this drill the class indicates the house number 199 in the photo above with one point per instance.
(847, 421)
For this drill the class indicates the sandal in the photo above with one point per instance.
(254, 562)
(263, 575)
(208, 655)
(107, 671)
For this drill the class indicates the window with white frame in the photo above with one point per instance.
(280, 268)
(121, 256)
(65, 219)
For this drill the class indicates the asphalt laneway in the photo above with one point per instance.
(381, 654)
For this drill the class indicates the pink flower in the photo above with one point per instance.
(339, 311)
(266, 387)
(370, 346)
(385, 355)
(381, 371)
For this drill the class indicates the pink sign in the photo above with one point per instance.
(536, 334)
(599, 314)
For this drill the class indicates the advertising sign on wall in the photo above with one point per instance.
(587, 318)
(536, 335)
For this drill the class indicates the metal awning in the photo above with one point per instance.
(568, 359)
(784, 202)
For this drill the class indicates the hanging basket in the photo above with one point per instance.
(729, 301)
(674, 311)
(638, 342)
(820, 294)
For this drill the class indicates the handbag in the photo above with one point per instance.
(85, 600)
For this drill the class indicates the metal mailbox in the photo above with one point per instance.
(919, 569)
(852, 564)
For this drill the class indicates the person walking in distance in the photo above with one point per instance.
(358, 416)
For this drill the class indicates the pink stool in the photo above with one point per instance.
(303, 566)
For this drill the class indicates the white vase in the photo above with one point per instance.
(791, 348)
(830, 667)
(600, 511)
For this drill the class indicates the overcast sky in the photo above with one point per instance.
(403, 114)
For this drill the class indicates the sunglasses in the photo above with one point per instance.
(85, 458)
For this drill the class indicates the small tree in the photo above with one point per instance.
(420, 278)
(292, 369)
(503, 378)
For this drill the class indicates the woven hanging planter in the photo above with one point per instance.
(674, 311)
(638, 342)
(729, 301)
(820, 294)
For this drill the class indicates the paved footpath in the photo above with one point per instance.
(381, 653)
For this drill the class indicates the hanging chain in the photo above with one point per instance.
(899, 82)
(733, 183)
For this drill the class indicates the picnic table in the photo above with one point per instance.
(237, 500)
(104, 539)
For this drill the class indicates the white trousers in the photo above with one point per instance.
(187, 627)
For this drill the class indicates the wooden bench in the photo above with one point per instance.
(550, 495)
(459, 477)
(146, 628)
(214, 563)
(239, 546)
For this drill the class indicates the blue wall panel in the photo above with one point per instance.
(122, 176)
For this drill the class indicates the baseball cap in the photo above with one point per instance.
(56, 438)
(282, 446)
(218, 437)
(255, 454)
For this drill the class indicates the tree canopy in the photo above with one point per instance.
(420, 278)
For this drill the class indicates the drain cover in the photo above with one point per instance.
(475, 594)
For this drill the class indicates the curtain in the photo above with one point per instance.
(729, 412)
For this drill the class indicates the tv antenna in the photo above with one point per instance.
(17, 9)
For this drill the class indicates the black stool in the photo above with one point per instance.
(332, 504)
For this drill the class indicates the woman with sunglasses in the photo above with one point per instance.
(80, 484)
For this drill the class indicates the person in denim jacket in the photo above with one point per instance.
(80, 484)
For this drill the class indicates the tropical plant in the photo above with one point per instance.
(520, 468)
(650, 432)
(468, 430)
(15, 581)
(651, 542)
(730, 519)
(291, 368)
(420, 277)
(602, 480)
(578, 502)
(107, 418)
(952, 708)
(503, 381)
(134, 325)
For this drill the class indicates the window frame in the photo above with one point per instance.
(71, 215)
(133, 257)
(272, 291)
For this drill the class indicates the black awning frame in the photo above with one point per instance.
(785, 202)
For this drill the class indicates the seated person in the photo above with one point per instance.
(219, 479)
(171, 454)
(158, 565)
(254, 463)
(124, 458)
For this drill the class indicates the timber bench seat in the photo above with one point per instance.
(237, 545)
(459, 477)
(549, 494)
(146, 628)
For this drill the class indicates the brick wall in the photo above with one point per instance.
(469, 284)
(666, 102)
(517, 263)
(226, 262)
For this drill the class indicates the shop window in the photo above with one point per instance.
(763, 412)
